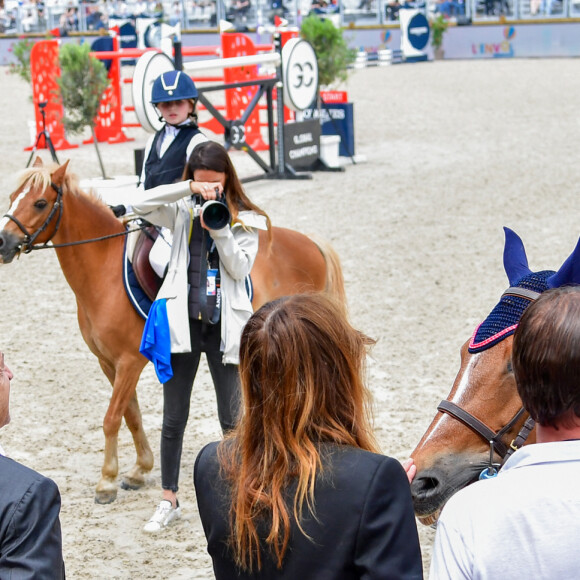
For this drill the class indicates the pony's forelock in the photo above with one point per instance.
(40, 176)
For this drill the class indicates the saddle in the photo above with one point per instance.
(149, 281)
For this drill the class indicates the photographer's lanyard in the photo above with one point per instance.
(209, 283)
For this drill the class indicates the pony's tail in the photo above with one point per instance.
(334, 277)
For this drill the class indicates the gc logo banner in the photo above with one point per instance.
(300, 70)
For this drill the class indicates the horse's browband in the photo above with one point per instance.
(521, 293)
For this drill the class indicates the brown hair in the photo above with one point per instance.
(546, 357)
(302, 368)
(213, 156)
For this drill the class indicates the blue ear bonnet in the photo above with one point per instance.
(504, 318)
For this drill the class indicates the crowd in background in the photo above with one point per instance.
(29, 16)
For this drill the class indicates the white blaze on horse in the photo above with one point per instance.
(482, 421)
(48, 206)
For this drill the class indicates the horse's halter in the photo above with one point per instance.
(29, 239)
(478, 427)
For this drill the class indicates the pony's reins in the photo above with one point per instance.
(29, 239)
(478, 427)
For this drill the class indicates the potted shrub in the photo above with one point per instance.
(438, 27)
(82, 82)
(21, 51)
(332, 53)
(334, 57)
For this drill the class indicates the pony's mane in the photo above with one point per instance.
(40, 177)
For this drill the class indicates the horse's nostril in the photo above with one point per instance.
(430, 482)
(423, 485)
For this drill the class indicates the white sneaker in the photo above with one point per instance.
(163, 516)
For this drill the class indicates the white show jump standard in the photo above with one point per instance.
(236, 61)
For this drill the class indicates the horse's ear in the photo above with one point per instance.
(569, 272)
(515, 261)
(58, 176)
(37, 162)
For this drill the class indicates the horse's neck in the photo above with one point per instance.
(82, 219)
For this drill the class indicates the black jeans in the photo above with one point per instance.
(177, 394)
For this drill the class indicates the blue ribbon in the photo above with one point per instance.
(156, 340)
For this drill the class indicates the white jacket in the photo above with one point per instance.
(171, 206)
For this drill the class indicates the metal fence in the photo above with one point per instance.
(70, 16)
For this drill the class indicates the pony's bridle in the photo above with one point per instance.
(29, 238)
(494, 438)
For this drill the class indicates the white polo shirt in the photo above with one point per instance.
(522, 524)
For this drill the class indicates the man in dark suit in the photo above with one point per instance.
(30, 536)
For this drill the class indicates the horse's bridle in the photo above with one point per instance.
(29, 239)
(494, 438)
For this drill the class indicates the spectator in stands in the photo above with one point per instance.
(96, 20)
(141, 8)
(450, 7)
(69, 21)
(4, 22)
(239, 9)
(175, 13)
(547, 7)
(365, 5)
(392, 9)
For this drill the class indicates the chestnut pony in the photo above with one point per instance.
(482, 421)
(49, 206)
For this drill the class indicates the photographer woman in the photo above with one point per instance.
(298, 489)
(230, 253)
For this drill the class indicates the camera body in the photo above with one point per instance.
(215, 212)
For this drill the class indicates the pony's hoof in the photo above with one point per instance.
(130, 483)
(105, 497)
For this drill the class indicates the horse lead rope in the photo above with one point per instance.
(79, 242)
(30, 239)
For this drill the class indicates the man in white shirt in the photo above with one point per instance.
(525, 523)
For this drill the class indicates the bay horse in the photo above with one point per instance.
(48, 206)
(482, 421)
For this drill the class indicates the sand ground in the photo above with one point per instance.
(454, 151)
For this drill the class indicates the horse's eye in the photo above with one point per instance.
(41, 203)
(510, 368)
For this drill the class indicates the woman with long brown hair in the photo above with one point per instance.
(204, 295)
(298, 490)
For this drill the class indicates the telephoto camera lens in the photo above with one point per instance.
(216, 214)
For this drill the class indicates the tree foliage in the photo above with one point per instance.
(438, 27)
(82, 82)
(21, 51)
(332, 53)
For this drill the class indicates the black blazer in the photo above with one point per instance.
(365, 530)
(30, 536)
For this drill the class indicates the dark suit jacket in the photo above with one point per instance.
(365, 530)
(30, 537)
